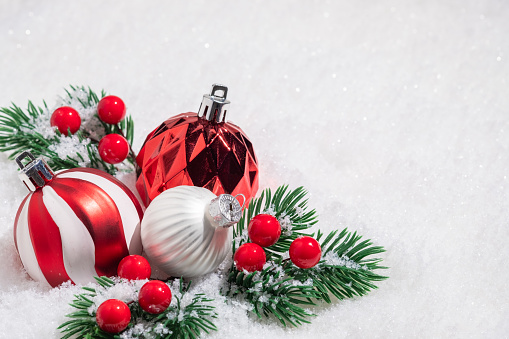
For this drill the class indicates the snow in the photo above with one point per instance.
(332, 258)
(393, 114)
(71, 146)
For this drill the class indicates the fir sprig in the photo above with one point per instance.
(83, 323)
(346, 269)
(20, 130)
(283, 290)
(178, 321)
(289, 206)
(272, 292)
(185, 321)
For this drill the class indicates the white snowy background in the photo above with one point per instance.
(393, 114)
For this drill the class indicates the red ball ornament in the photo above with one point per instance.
(305, 252)
(199, 149)
(249, 257)
(113, 148)
(154, 297)
(75, 224)
(264, 230)
(111, 109)
(66, 118)
(113, 316)
(134, 267)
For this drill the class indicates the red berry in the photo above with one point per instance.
(66, 118)
(134, 267)
(264, 230)
(113, 148)
(305, 252)
(111, 109)
(249, 257)
(154, 297)
(113, 316)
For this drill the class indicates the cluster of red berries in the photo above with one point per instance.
(113, 315)
(264, 230)
(113, 148)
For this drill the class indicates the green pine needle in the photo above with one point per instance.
(282, 290)
(346, 269)
(285, 203)
(270, 292)
(17, 132)
(177, 322)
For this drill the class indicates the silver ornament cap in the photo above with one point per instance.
(214, 105)
(36, 173)
(226, 210)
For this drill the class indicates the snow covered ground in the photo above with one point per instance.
(394, 114)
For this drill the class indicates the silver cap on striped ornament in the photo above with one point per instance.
(36, 173)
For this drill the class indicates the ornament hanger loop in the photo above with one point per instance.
(23, 155)
(218, 87)
(243, 200)
(225, 210)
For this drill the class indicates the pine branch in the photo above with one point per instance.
(345, 270)
(271, 292)
(289, 207)
(281, 289)
(22, 130)
(178, 321)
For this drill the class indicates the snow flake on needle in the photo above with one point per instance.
(333, 259)
(286, 224)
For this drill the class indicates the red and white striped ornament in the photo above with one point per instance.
(75, 224)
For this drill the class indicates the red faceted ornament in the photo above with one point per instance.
(264, 230)
(250, 257)
(113, 316)
(305, 252)
(134, 267)
(154, 297)
(66, 118)
(111, 109)
(198, 150)
(113, 148)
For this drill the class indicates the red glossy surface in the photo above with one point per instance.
(113, 148)
(65, 118)
(154, 297)
(100, 215)
(134, 267)
(188, 150)
(111, 109)
(113, 316)
(249, 257)
(46, 240)
(264, 230)
(305, 252)
(96, 210)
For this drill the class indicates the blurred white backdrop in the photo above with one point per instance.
(393, 114)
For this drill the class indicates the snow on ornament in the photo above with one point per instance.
(134, 267)
(113, 316)
(66, 119)
(186, 230)
(75, 224)
(113, 148)
(111, 109)
(198, 149)
(305, 252)
(154, 297)
(249, 257)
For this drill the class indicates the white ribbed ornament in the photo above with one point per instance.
(185, 230)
